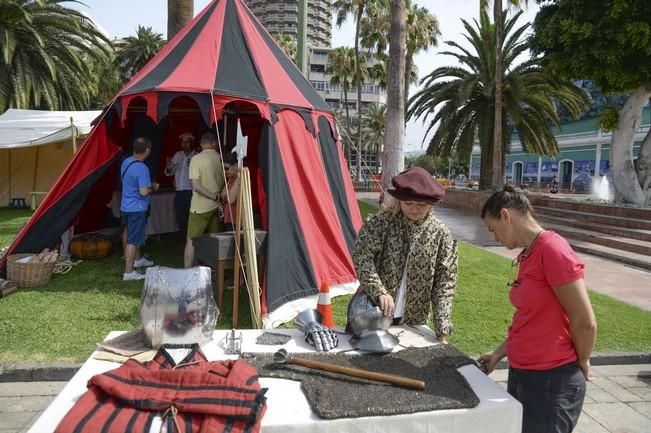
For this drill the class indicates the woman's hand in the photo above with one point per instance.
(489, 360)
(585, 368)
(386, 304)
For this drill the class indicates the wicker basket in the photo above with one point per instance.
(28, 274)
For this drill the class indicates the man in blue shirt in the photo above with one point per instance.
(136, 190)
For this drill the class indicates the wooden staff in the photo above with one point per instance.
(236, 265)
(253, 285)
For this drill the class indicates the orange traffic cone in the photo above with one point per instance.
(325, 307)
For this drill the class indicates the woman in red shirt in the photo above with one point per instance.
(553, 329)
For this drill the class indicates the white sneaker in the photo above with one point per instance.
(142, 262)
(132, 276)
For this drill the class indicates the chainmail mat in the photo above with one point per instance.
(446, 388)
(272, 339)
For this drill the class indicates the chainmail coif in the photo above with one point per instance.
(445, 387)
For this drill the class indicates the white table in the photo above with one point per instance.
(288, 411)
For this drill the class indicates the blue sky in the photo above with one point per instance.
(121, 18)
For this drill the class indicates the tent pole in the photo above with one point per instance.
(224, 142)
(35, 169)
(73, 132)
(9, 175)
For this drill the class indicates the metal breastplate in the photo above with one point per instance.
(177, 306)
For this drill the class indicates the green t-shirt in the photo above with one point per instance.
(206, 167)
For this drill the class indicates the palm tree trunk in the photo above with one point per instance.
(358, 68)
(348, 156)
(394, 135)
(179, 13)
(625, 180)
(409, 62)
(497, 177)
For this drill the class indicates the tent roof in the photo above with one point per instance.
(225, 50)
(26, 128)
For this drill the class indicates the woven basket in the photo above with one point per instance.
(28, 274)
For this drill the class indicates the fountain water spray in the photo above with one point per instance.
(601, 187)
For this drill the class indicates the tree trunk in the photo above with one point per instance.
(497, 177)
(348, 140)
(644, 166)
(394, 135)
(409, 62)
(179, 13)
(358, 68)
(485, 171)
(625, 179)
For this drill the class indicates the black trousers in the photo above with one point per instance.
(182, 201)
(551, 399)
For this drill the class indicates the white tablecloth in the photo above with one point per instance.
(288, 411)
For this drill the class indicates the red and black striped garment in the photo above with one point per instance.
(192, 396)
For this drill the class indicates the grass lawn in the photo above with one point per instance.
(63, 320)
(11, 221)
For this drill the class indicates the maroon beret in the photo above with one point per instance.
(416, 184)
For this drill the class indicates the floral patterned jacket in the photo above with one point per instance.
(387, 243)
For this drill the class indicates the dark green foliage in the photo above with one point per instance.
(462, 98)
(133, 52)
(45, 51)
(606, 41)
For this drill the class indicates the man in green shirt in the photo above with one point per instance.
(207, 177)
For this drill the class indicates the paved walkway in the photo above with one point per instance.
(618, 399)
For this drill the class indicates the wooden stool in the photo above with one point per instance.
(217, 250)
(222, 265)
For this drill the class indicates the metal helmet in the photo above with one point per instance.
(177, 306)
(369, 325)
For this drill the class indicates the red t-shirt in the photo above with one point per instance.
(539, 336)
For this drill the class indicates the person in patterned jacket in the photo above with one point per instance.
(194, 395)
(406, 258)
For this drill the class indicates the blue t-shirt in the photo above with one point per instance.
(134, 176)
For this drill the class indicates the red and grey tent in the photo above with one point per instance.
(224, 64)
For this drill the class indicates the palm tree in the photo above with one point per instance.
(287, 43)
(44, 49)
(394, 137)
(373, 125)
(357, 9)
(133, 53)
(498, 155)
(106, 80)
(179, 13)
(341, 66)
(465, 96)
(422, 33)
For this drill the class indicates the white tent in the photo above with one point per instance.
(35, 147)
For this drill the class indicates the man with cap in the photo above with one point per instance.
(179, 167)
(406, 258)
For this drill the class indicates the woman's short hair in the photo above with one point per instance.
(508, 198)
